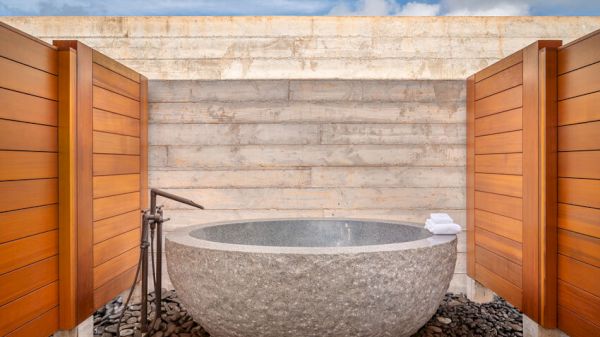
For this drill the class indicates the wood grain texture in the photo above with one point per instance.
(18, 312)
(579, 137)
(25, 79)
(18, 165)
(579, 219)
(39, 137)
(572, 323)
(502, 287)
(114, 123)
(27, 193)
(507, 142)
(105, 272)
(22, 107)
(106, 164)
(107, 291)
(497, 67)
(511, 185)
(579, 109)
(115, 82)
(115, 205)
(113, 102)
(471, 168)
(511, 120)
(582, 192)
(111, 227)
(20, 47)
(41, 326)
(24, 280)
(579, 164)
(506, 100)
(503, 80)
(579, 82)
(511, 207)
(579, 53)
(504, 267)
(579, 274)
(586, 305)
(108, 143)
(511, 163)
(500, 245)
(578, 246)
(108, 249)
(143, 142)
(115, 66)
(26, 222)
(22, 252)
(498, 224)
(105, 186)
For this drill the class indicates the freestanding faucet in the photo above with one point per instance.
(152, 219)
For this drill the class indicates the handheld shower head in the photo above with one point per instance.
(156, 192)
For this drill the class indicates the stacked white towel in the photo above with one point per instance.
(441, 223)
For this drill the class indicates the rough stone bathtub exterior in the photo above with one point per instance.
(269, 291)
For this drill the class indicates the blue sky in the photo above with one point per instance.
(299, 7)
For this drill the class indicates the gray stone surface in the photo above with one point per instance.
(235, 289)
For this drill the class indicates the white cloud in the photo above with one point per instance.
(384, 8)
(485, 7)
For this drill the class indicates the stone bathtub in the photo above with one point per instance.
(310, 277)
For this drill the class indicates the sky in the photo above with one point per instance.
(301, 7)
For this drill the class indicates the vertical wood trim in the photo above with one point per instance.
(471, 176)
(67, 201)
(143, 142)
(548, 186)
(530, 183)
(85, 242)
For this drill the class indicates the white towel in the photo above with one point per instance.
(440, 218)
(429, 223)
(445, 229)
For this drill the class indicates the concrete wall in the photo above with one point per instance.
(307, 47)
(247, 117)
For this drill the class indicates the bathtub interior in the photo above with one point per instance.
(311, 233)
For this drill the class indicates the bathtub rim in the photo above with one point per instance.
(182, 236)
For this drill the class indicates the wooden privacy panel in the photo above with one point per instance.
(579, 187)
(507, 112)
(111, 176)
(28, 185)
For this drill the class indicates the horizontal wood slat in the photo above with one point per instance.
(39, 137)
(115, 205)
(579, 109)
(582, 192)
(578, 246)
(502, 287)
(42, 326)
(108, 270)
(572, 324)
(497, 67)
(578, 219)
(27, 193)
(22, 78)
(498, 224)
(579, 137)
(579, 82)
(511, 120)
(503, 267)
(114, 123)
(511, 163)
(500, 204)
(26, 222)
(503, 80)
(500, 245)
(24, 280)
(108, 143)
(579, 54)
(34, 304)
(506, 100)
(110, 101)
(107, 228)
(26, 108)
(579, 164)
(110, 80)
(22, 252)
(106, 164)
(579, 274)
(28, 165)
(107, 62)
(511, 185)
(116, 245)
(585, 304)
(507, 142)
(109, 290)
(30, 52)
(111, 185)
